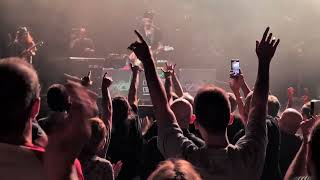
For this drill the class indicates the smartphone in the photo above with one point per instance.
(315, 107)
(235, 68)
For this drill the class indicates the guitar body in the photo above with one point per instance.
(31, 51)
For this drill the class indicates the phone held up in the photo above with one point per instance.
(315, 107)
(235, 68)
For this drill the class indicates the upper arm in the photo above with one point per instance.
(253, 145)
(171, 141)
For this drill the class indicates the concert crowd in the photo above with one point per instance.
(213, 135)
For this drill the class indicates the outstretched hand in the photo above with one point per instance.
(266, 48)
(236, 83)
(106, 83)
(141, 49)
(86, 80)
(135, 68)
(169, 69)
(306, 126)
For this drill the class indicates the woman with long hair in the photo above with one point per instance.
(23, 45)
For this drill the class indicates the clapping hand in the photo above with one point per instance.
(266, 48)
(141, 49)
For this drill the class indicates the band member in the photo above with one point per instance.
(23, 45)
(82, 45)
(151, 34)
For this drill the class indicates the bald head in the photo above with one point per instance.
(183, 112)
(290, 120)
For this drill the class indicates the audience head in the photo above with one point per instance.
(290, 121)
(212, 110)
(121, 113)
(98, 137)
(20, 101)
(273, 106)
(57, 98)
(183, 112)
(175, 170)
(314, 149)
(233, 102)
(121, 107)
(189, 98)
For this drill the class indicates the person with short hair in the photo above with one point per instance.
(306, 164)
(58, 101)
(273, 106)
(271, 168)
(218, 159)
(289, 123)
(19, 106)
(95, 167)
(126, 138)
(175, 169)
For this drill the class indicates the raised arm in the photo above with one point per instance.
(133, 95)
(253, 145)
(177, 85)
(171, 141)
(168, 72)
(106, 103)
(290, 97)
(235, 85)
(244, 87)
(265, 50)
(157, 92)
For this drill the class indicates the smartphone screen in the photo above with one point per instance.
(235, 67)
(315, 107)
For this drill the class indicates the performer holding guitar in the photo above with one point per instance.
(23, 45)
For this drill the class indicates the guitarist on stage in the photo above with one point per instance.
(23, 45)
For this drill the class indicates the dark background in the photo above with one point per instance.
(204, 33)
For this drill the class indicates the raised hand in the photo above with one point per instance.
(106, 83)
(141, 49)
(306, 126)
(266, 48)
(290, 92)
(135, 68)
(169, 69)
(236, 83)
(86, 80)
